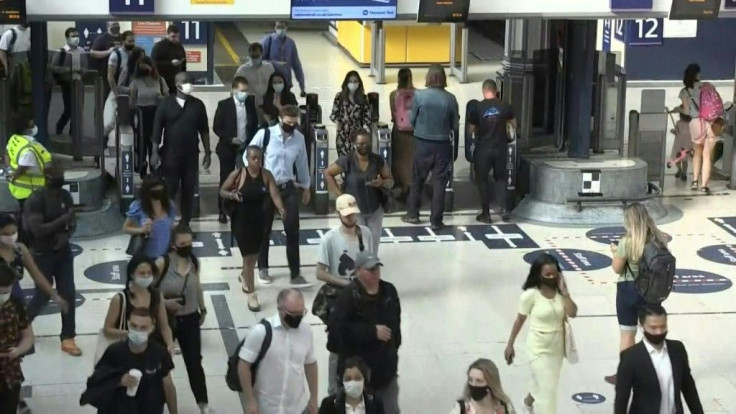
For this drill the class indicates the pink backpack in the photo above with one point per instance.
(711, 104)
(402, 103)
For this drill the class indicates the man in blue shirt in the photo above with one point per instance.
(285, 156)
(281, 51)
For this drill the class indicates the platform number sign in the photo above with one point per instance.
(192, 32)
(131, 6)
(619, 30)
(644, 32)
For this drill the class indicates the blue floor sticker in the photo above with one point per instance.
(588, 398)
(720, 253)
(573, 260)
(726, 223)
(608, 235)
(698, 281)
(108, 272)
(51, 308)
(211, 244)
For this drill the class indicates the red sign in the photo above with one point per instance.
(194, 56)
(149, 28)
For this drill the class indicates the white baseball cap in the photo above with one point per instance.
(346, 205)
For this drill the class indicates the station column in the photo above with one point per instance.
(39, 83)
(581, 46)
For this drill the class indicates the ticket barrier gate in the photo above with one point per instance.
(373, 104)
(310, 115)
(320, 191)
(609, 105)
(125, 143)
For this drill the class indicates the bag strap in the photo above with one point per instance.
(697, 108)
(359, 233)
(164, 270)
(13, 39)
(266, 342)
(462, 406)
(123, 306)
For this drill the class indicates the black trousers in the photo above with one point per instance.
(66, 95)
(57, 266)
(190, 341)
(9, 398)
(291, 196)
(182, 171)
(434, 156)
(227, 165)
(485, 159)
(145, 146)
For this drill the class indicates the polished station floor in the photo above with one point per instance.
(459, 290)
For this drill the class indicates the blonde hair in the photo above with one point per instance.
(640, 229)
(493, 379)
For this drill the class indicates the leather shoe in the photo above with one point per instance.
(223, 218)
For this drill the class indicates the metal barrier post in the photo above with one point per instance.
(449, 191)
(100, 121)
(633, 134)
(312, 116)
(125, 139)
(461, 72)
(77, 118)
(384, 142)
(321, 154)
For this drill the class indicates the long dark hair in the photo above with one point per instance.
(133, 264)
(359, 97)
(405, 79)
(145, 60)
(534, 279)
(135, 56)
(183, 229)
(691, 75)
(146, 198)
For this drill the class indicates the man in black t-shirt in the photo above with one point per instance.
(489, 123)
(107, 388)
(101, 49)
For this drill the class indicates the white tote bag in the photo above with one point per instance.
(571, 350)
(103, 341)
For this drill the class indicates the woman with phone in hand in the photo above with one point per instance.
(546, 302)
(181, 287)
(152, 215)
(245, 192)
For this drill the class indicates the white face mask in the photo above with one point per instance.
(353, 389)
(353, 86)
(34, 131)
(278, 87)
(137, 337)
(4, 297)
(73, 41)
(186, 88)
(240, 95)
(144, 282)
(9, 240)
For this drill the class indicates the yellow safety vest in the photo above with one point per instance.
(24, 185)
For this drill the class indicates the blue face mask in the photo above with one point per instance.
(281, 33)
(240, 96)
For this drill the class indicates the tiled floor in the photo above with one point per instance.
(459, 297)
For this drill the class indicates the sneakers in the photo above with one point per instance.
(264, 278)
(484, 217)
(70, 347)
(253, 304)
(300, 282)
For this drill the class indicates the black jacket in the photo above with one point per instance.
(225, 125)
(335, 404)
(287, 98)
(353, 323)
(163, 52)
(636, 372)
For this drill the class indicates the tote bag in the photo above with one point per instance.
(103, 341)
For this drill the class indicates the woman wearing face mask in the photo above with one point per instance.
(147, 89)
(277, 96)
(128, 71)
(353, 397)
(152, 215)
(367, 178)
(546, 302)
(640, 229)
(350, 112)
(139, 292)
(483, 392)
(181, 287)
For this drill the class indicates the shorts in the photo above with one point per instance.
(628, 302)
(700, 131)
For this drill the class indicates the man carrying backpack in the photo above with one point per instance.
(15, 46)
(66, 67)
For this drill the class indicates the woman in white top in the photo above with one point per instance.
(483, 392)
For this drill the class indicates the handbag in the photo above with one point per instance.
(228, 204)
(103, 341)
(571, 350)
(137, 244)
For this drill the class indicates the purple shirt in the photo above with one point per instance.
(276, 49)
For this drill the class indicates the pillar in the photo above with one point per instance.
(39, 73)
(580, 51)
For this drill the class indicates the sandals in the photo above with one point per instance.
(705, 190)
(253, 304)
(694, 186)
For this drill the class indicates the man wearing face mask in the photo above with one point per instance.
(50, 217)
(119, 59)
(180, 120)
(15, 46)
(66, 67)
(236, 122)
(280, 48)
(657, 370)
(279, 382)
(134, 375)
(102, 48)
(258, 72)
(367, 321)
(169, 56)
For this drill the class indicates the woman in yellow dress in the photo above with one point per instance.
(546, 302)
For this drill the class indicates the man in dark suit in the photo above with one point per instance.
(657, 370)
(236, 121)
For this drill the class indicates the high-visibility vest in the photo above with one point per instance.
(24, 185)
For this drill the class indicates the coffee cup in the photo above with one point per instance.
(137, 374)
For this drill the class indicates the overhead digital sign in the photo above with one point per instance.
(343, 9)
(694, 9)
(443, 11)
(12, 11)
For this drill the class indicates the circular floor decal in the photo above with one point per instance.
(588, 398)
(720, 253)
(51, 308)
(698, 281)
(109, 272)
(608, 235)
(76, 249)
(573, 260)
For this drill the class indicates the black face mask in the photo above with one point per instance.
(287, 128)
(478, 393)
(655, 339)
(144, 72)
(292, 321)
(55, 182)
(184, 251)
(553, 283)
(362, 150)
(129, 47)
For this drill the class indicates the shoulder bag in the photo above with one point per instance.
(571, 350)
(229, 204)
(103, 341)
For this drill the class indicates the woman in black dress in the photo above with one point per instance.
(246, 189)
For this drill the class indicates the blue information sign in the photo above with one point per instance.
(573, 260)
(588, 398)
(645, 32)
(632, 4)
(608, 235)
(697, 281)
(720, 253)
(343, 9)
(607, 33)
(89, 30)
(108, 272)
(192, 32)
(131, 6)
(619, 30)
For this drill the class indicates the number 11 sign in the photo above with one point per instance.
(131, 7)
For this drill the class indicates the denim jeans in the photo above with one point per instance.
(57, 266)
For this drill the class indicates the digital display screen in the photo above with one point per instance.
(443, 11)
(12, 11)
(694, 9)
(343, 9)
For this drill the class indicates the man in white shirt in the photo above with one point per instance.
(279, 383)
(258, 72)
(15, 44)
(336, 264)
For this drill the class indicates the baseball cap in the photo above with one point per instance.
(346, 205)
(367, 260)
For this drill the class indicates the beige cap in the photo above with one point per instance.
(346, 205)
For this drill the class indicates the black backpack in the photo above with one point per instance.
(231, 377)
(656, 273)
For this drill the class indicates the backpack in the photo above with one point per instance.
(231, 377)
(711, 104)
(264, 146)
(60, 77)
(656, 273)
(402, 103)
